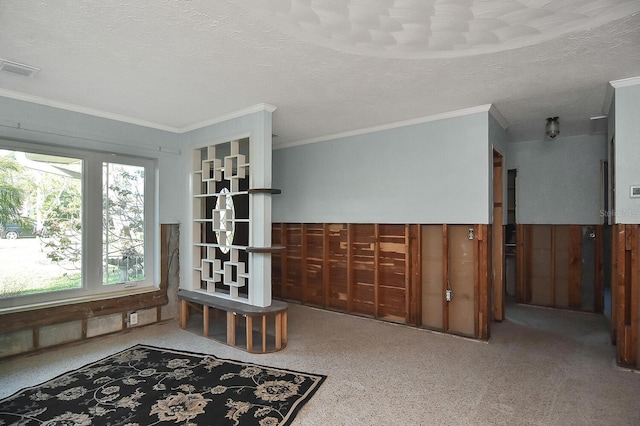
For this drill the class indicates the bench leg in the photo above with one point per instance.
(249, 325)
(184, 314)
(279, 331)
(231, 329)
(284, 328)
(264, 333)
(205, 320)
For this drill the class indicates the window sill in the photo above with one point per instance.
(75, 300)
(22, 317)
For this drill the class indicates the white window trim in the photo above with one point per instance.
(92, 287)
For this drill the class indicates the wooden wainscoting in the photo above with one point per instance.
(625, 289)
(560, 266)
(356, 268)
(394, 272)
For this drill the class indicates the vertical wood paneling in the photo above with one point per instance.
(293, 278)
(462, 276)
(393, 282)
(483, 263)
(598, 271)
(521, 264)
(432, 276)
(415, 271)
(575, 266)
(394, 272)
(303, 263)
(314, 262)
(626, 288)
(541, 265)
(445, 277)
(364, 269)
(550, 267)
(376, 271)
(561, 266)
(337, 267)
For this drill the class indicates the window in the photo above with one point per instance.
(74, 224)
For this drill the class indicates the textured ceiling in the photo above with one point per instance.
(329, 66)
(436, 28)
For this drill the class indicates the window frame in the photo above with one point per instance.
(92, 232)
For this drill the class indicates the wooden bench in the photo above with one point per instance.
(206, 303)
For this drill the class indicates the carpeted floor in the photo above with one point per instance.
(541, 367)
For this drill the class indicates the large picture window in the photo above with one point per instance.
(73, 224)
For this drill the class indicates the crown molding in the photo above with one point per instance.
(125, 119)
(625, 82)
(84, 110)
(498, 117)
(389, 126)
(235, 114)
(611, 88)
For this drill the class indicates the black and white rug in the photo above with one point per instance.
(146, 385)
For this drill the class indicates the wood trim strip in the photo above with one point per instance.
(620, 284)
(634, 283)
(445, 277)
(614, 280)
(598, 302)
(349, 267)
(575, 266)
(376, 272)
(407, 275)
(485, 256)
(326, 283)
(303, 263)
(554, 251)
(283, 262)
(415, 316)
(528, 268)
(477, 310)
(520, 262)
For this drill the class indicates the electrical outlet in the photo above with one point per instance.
(133, 318)
(448, 295)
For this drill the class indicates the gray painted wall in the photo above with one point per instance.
(433, 172)
(41, 124)
(559, 181)
(627, 153)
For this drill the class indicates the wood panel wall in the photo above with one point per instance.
(363, 269)
(626, 293)
(550, 267)
(393, 272)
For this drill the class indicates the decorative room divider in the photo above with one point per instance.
(232, 249)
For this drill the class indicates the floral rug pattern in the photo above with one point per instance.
(146, 385)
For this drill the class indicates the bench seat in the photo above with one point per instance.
(240, 335)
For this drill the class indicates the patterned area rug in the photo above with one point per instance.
(146, 385)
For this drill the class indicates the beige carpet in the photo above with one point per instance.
(541, 367)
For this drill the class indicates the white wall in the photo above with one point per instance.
(558, 181)
(433, 172)
(627, 153)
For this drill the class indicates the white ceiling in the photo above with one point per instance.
(330, 66)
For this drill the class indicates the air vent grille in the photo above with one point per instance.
(17, 68)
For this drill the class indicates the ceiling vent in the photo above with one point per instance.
(17, 68)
